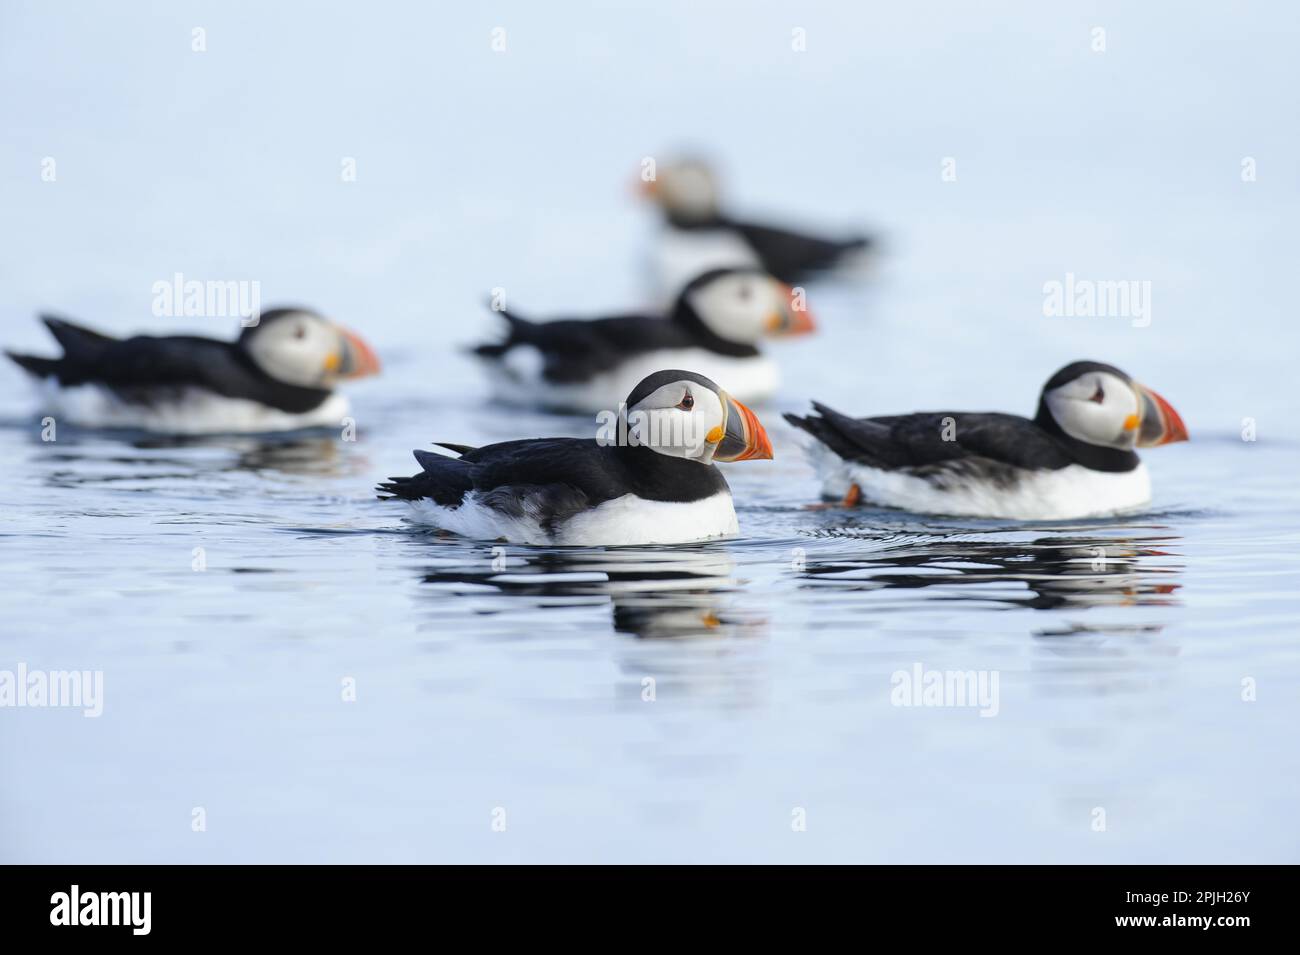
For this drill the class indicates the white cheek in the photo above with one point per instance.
(689, 190)
(745, 321)
(1125, 407)
(697, 424)
(294, 361)
(1110, 423)
(708, 420)
(1100, 424)
(729, 316)
(670, 431)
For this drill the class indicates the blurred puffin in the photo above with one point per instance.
(589, 365)
(649, 479)
(278, 375)
(698, 235)
(1074, 459)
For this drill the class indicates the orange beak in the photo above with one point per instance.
(356, 359)
(1158, 423)
(794, 318)
(744, 438)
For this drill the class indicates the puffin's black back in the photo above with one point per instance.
(149, 369)
(789, 256)
(555, 467)
(904, 442)
(576, 350)
(931, 440)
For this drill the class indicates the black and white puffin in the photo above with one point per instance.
(278, 375)
(588, 365)
(1074, 459)
(647, 478)
(698, 235)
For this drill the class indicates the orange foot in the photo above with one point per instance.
(852, 497)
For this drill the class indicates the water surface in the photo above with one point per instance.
(723, 702)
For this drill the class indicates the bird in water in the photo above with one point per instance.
(649, 477)
(587, 365)
(698, 234)
(280, 374)
(1075, 458)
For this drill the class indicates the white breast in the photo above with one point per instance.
(682, 254)
(624, 520)
(1065, 494)
(192, 411)
(518, 379)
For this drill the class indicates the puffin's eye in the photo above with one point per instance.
(300, 331)
(1098, 396)
(687, 402)
(745, 293)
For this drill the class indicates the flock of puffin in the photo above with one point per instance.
(652, 477)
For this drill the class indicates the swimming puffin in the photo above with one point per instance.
(698, 235)
(1074, 459)
(589, 365)
(647, 478)
(278, 375)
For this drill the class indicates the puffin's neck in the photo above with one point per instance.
(661, 477)
(1091, 456)
(296, 399)
(685, 318)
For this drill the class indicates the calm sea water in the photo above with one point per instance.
(335, 685)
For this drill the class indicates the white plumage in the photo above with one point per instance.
(622, 520)
(1068, 493)
(190, 411)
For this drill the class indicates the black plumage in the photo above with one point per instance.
(146, 369)
(575, 350)
(551, 479)
(999, 446)
(790, 256)
(653, 382)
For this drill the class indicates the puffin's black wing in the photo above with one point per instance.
(444, 481)
(583, 465)
(34, 365)
(925, 439)
(83, 350)
(551, 479)
(139, 362)
(147, 369)
(547, 480)
(576, 349)
(791, 256)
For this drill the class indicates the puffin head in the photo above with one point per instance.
(685, 189)
(685, 415)
(743, 305)
(1100, 405)
(297, 346)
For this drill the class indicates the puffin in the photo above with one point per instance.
(1075, 458)
(278, 375)
(588, 365)
(648, 477)
(699, 235)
